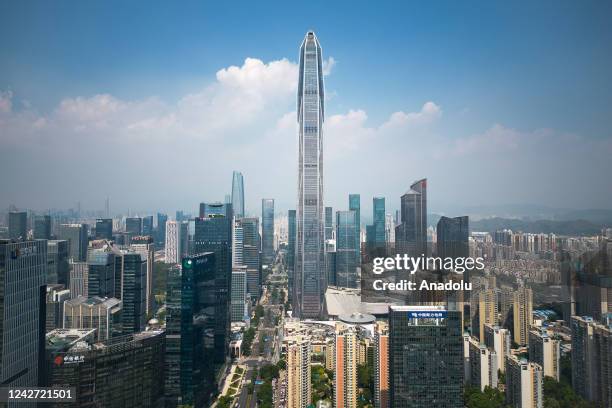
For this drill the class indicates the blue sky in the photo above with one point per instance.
(526, 66)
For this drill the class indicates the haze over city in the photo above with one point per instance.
(509, 105)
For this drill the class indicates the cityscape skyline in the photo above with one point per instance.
(476, 125)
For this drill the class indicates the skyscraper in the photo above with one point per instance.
(76, 235)
(58, 269)
(381, 365)
(425, 357)
(238, 194)
(173, 242)
(104, 228)
(238, 293)
(298, 372)
(483, 365)
(524, 383)
(411, 233)
(310, 263)
(375, 233)
(146, 248)
(522, 309)
(213, 233)
(346, 274)
(147, 225)
(267, 230)
(18, 225)
(251, 254)
(355, 205)
(161, 229)
(42, 227)
(498, 339)
(545, 351)
(345, 370)
(22, 317)
(191, 323)
(453, 237)
(133, 226)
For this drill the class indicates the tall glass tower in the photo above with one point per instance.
(309, 262)
(238, 194)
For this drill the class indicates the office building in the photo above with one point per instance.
(193, 342)
(238, 194)
(426, 363)
(147, 225)
(58, 268)
(102, 274)
(411, 233)
(22, 311)
(355, 205)
(345, 368)
(123, 372)
(330, 262)
(251, 255)
(267, 230)
(132, 287)
(133, 226)
(237, 243)
(346, 272)
(376, 243)
(498, 340)
(524, 383)
(299, 392)
(56, 296)
(18, 225)
(104, 228)
(102, 314)
(522, 309)
(239, 308)
(309, 280)
(160, 233)
(483, 365)
(79, 279)
(172, 246)
(453, 237)
(381, 365)
(42, 227)
(329, 223)
(144, 245)
(77, 237)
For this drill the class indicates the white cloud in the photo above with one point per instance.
(6, 101)
(328, 65)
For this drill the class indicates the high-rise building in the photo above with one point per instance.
(133, 271)
(375, 234)
(145, 246)
(346, 273)
(102, 314)
(251, 255)
(483, 311)
(545, 351)
(56, 296)
(133, 226)
(329, 222)
(102, 273)
(522, 309)
(76, 235)
(591, 360)
(381, 365)
(42, 227)
(453, 237)
(104, 228)
(22, 311)
(239, 294)
(147, 225)
(192, 322)
(345, 372)
(127, 371)
(355, 205)
(411, 233)
(483, 365)
(299, 392)
(524, 383)
(426, 363)
(79, 278)
(290, 251)
(238, 194)
(58, 268)
(213, 233)
(173, 247)
(267, 230)
(18, 225)
(310, 263)
(498, 340)
(160, 236)
(330, 262)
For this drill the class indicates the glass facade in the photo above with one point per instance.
(355, 205)
(329, 222)
(42, 227)
(267, 230)
(104, 228)
(411, 233)
(133, 226)
(310, 223)
(238, 194)
(425, 357)
(291, 249)
(346, 274)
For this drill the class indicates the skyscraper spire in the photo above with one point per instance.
(310, 282)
